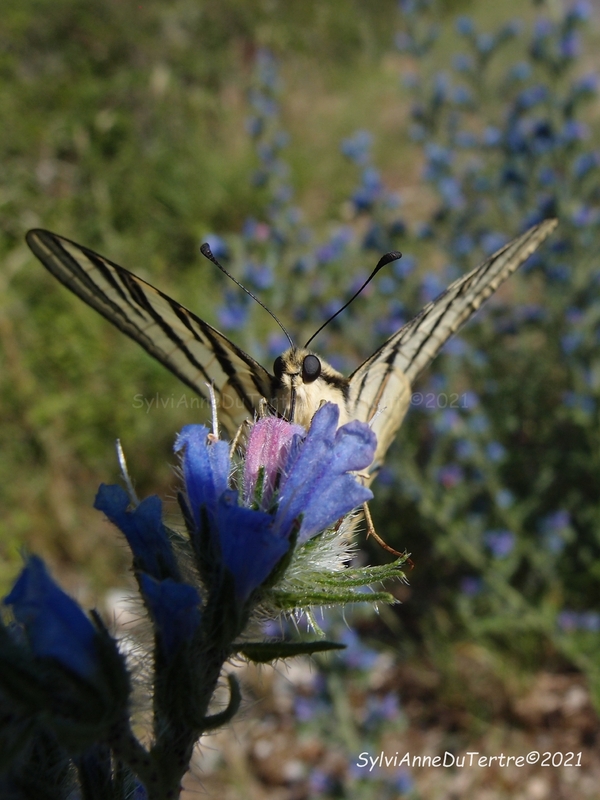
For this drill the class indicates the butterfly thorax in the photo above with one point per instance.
(303, 382)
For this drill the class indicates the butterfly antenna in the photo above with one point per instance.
(393, 255)
(207, 253)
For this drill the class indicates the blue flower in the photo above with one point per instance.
(485, 43)
(491, 242)
(261, 275)
(431, 287)
(463, 62)
(450, 475)
(254, 126)
(358, 147)
(495, 452)
(500, 542)
(574, 131)
(315, 485)
(451, 192)
(532, 96)
(556, 521)
(492, 137)
(55, 625)
(465, 26)
(585, 163)
(143, 529)
(571, 341)
(504, 498)
(404, 266)
(233, 315)
(464, 449)
(580, 11)
(306, 489)
(175, 610)
(217, 245)
(243, 539)
(570, 45)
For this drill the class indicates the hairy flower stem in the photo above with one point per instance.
(181, 704)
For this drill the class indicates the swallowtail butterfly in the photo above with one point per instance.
(378, 392)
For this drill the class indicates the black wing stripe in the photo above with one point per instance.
(415, 345)
(408, 348)
(139, 296)
(132, 294)
(100, 264)
(221, 354)
(231, 372)
(82, 275)
(190, 348)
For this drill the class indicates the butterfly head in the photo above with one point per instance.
(303, 381)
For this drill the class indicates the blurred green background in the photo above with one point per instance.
(139, 129)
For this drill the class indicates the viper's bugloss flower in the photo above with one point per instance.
(54, 624)
(143, 529)
(292, 484)
(316, 485)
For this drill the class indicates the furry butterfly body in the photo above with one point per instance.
(378, 392)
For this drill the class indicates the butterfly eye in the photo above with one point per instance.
(311, 369)
(278, 367)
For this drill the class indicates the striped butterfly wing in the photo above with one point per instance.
(380, 389)
(189, 347)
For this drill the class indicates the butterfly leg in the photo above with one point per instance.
(372, 532)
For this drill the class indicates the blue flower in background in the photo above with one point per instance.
(570, 45)
(492, 241)
(217, 245)
(500, 542)
(450, 475)
(358, 147)
(504, 498)
(585, 163)
(55, 626)
(259, 275)
(492, 136)
(520, 72)
(233, 316)
(464, 449)
(431, 287)
(463, 62)
(485, 43)
(465, 26)
(403, 267)
(495, 451)
(254, 126)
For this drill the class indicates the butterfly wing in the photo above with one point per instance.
(380, 389)
(189, 347)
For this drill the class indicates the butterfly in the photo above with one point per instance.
(378, 392)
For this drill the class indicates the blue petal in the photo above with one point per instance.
(206, 468)
(250, 547)
(175, 609)
(56, 627)
(316, 484)
(143, 529)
